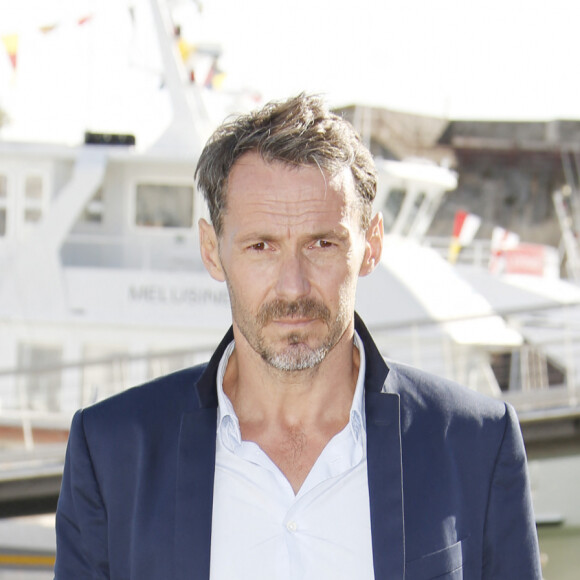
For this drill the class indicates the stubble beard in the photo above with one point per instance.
(297, 354)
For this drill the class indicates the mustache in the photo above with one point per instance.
(302, 308)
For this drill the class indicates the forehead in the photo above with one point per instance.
(282, 189)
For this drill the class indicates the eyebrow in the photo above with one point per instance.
(254, 236)
(338, 233)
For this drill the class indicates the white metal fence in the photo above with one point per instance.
(43, 398)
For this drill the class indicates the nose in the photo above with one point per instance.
(293, 281)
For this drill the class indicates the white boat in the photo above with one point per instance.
(102, 287)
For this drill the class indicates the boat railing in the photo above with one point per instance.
(37, 402)
(527, 376)
(147, 251)
(477, 253)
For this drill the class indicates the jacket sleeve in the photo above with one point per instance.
(81, 518)
(510, 540)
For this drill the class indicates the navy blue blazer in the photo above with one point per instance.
(448, 485)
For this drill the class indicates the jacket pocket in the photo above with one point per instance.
(445, 564)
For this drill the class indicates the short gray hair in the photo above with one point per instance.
(299, 132)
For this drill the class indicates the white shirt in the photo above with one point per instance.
(261, 530)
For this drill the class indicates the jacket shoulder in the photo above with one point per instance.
(423, 391)
(175, 392)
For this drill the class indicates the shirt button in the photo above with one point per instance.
(291, 526)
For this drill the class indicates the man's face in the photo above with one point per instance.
(290, 251)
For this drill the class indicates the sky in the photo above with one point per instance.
(466, 58)
(498, 59)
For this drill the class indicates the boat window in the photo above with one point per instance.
(526, 368)
(412, 216)
(33, 187)
(32, 215)
(33, 198)
(393, 207)
(164, 206)
(3, 187)
(93, 211)
(2, 221)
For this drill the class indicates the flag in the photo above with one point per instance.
(82, 21)
(502, 242)
(502, 239)
(48, 28)
(10, 42)
(215, 77)
(465, 227)
(185, 48)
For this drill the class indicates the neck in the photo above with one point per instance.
(262, 394)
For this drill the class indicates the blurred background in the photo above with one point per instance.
(471, 110)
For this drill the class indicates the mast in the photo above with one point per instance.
(189, 126)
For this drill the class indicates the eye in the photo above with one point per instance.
(258, 246)
(322, 244)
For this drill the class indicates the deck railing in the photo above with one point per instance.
(37, 403)
(478, 253)
(39, 400)
(148, 251)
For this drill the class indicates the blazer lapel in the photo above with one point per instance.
(384, 465)
(194, 494)
(385, 475)
(195, 476)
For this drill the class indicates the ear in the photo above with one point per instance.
(208, 244)
(373, 245)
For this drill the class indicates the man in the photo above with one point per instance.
(296, 452)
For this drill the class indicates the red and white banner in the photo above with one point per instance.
(509, 256)
(465, 227)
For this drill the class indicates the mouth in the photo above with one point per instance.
(293, 321)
